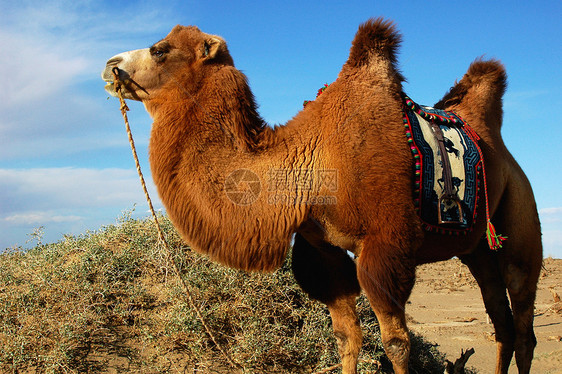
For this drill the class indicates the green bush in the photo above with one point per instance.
(109, 301)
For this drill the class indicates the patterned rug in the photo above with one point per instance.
(456, 215)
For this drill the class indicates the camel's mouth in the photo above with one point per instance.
(128, 86)
(110, 88)
(108, 78)
(108, 75)
(127, 91)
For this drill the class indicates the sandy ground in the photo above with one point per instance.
(446, 308)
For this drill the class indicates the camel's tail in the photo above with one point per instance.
(376, 45)
(480, 91)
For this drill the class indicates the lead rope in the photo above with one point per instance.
(124, 109)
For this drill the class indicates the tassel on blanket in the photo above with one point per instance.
(494, 240)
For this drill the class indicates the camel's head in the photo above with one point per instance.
(176, 62)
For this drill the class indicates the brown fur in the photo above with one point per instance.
(206, 129)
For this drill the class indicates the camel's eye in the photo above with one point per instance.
(159, 52)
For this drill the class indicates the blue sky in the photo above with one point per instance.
(65, 163)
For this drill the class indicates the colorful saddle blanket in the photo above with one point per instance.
(465, 165)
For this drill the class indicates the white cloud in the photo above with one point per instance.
(65, 200)
(40, 218)
(552, 243)
(30, 190)
(36, 70)
(514, 98)
(554, 210)
(551, 218)
(550, 215)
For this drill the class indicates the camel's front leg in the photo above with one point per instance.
(395, 338)
(328, 274)
(347, 331)
(387, 274)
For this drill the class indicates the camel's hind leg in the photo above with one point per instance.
(387, 276)
(328, 274)
(496, 271)
(521, 279)
(520, 261)
(484, 265)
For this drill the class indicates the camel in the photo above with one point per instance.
(335, 178)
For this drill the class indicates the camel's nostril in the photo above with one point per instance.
(114, 61)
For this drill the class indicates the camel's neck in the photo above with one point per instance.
(212, 175)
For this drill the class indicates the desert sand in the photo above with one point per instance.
(447, 309)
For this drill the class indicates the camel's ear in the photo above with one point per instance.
(211, 48)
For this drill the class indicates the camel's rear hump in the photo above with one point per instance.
(481, 89)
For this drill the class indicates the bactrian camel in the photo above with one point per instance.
(337, 177)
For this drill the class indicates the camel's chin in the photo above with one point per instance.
(110, 89)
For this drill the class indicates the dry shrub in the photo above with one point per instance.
(108, 301)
